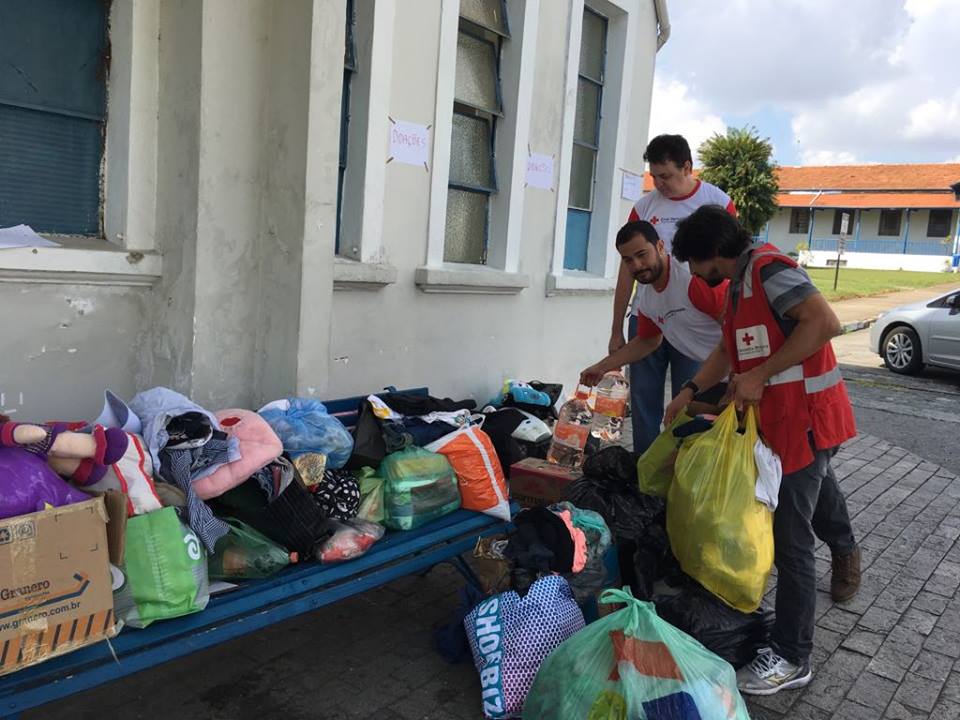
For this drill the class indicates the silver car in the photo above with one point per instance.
(925, 333)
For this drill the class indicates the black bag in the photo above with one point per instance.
(731, 634)
(369, 448)
(544, 412)
(609, 487)
(294, 519)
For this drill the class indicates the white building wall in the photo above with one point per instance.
(218, 278)
(465, 344)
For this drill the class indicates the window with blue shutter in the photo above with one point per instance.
(586, 139)
(54, 59)
(349, 70)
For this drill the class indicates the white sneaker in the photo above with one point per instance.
(769, 673)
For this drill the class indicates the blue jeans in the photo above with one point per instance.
(647, 379)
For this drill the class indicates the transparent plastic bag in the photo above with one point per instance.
(418, 486)
(350, 539)
(371, 495)
(721, 535)
(631, 664)
(246, 554)
(304, 426)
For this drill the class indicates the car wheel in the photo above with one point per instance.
(901, 351)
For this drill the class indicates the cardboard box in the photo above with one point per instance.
(536, 482)
(55, 593)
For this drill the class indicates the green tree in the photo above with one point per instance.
(739, 163)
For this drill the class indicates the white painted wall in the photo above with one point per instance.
(229, 186)
(466, 344)
(882, 261)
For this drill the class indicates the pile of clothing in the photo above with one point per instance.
(554, 559)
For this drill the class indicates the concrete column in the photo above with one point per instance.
(247, 186)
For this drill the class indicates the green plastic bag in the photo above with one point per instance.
(371, 495)
(418, 486)
(719, 532)
(165, 570)
(246, 554)
(655, 466)
(632, 665)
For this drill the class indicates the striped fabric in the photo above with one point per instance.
(180, 468)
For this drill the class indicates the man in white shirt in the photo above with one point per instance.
(677, 194)
(672, 306)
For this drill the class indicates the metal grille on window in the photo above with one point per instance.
(349, 69)
(477, 106)
(586, 138)
(52, 111)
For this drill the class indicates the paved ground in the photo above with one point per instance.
(921, 412)
(890, 653)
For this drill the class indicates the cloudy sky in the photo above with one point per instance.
(827, 81)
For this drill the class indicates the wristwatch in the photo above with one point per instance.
(692, 387)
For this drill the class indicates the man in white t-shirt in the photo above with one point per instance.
(673, 306)
(677, 194)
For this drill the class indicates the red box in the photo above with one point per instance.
(536, 482)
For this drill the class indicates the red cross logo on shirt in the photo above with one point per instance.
(660, 319)
(748, 338)
(654, 220)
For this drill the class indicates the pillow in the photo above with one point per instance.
(259, 446)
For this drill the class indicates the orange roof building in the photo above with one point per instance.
(898, 215)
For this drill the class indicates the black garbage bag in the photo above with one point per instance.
(731, 634)
(544, 412)
(652, 561)
(609, 487)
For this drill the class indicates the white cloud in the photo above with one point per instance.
(828, 157)
(674, 111)
(862, 80)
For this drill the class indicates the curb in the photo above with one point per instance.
(857, 325)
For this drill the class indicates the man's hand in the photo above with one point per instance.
(617, 341)
(677, 405)
(592, 375)
(747, 388)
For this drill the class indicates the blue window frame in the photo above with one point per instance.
(477, 105)
(586, 139)
(349, 69)
(54, 59)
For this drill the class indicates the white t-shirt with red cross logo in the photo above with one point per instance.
(686, 312)
(664, 213)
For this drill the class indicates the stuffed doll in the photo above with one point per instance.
(32, 458)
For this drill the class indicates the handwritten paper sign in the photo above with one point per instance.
(632, 186)
(409, 142)
(540, 171)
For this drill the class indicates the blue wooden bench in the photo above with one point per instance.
(254, 604)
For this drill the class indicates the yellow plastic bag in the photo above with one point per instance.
(655, 466)
(719, 532)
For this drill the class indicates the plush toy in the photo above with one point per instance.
(33, 456)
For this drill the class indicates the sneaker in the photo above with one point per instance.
(845, 575)
(769, 673)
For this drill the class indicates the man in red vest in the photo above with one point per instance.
(776, 348)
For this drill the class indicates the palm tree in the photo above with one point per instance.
(739, 163)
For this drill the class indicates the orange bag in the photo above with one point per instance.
(479, 474)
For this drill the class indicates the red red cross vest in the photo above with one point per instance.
(806, 398)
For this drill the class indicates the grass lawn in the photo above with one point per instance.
(864, 283)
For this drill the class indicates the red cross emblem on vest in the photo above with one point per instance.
(748, 338)
(654, 220)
